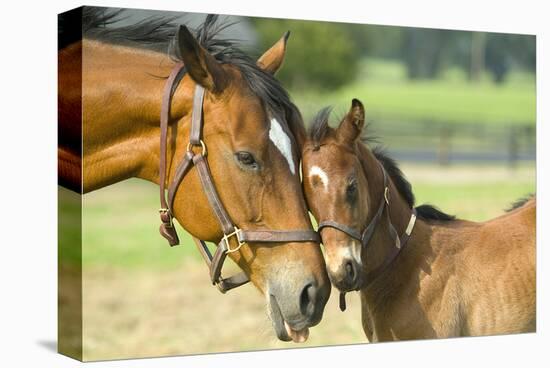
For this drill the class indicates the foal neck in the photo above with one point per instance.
(397, 211)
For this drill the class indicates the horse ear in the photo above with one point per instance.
(350, 128)
(272, 59)
(203, 68)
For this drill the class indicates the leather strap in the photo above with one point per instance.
(223, 284)
(196, 116)
(232, 234)
(343, 228)
(280, 236)
(167, 226)
(211, 193)
(394, 252)
(181, 171)
(258, 236)
(366, 235)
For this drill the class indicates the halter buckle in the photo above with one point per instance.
(237, 235)
(169, 215)
(190, 146)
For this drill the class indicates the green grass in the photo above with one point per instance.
(120, 222)
(473, 192)
(477, 202)
(69, 226)
(388, 95)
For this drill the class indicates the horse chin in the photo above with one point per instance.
(282, 328)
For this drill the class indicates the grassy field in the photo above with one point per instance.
(388, 95)
(142, 298)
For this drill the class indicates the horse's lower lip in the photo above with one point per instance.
(277, 319)
(282, 328)
(297, 336)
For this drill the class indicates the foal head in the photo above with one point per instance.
(254, 135)
(336, 187)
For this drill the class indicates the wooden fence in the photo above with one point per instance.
(447, 143)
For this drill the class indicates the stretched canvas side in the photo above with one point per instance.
(70, 201)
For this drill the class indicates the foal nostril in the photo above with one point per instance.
(307, 300)
(350, 272)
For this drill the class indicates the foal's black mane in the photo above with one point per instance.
(318, 130)
(520, 202)
(158, 33)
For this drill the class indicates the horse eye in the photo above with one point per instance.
(351, 190)
(247, 159)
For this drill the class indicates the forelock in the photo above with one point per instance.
(319, 127)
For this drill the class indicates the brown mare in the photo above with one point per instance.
(450, 278)
(253, 133)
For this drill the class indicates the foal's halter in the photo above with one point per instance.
(195, 155)
(365, 236)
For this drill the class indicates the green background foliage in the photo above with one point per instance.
(319, 54)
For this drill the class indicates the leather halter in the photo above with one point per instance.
(365, 236)
(232, 234)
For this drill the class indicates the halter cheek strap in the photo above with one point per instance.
(195, 156)
(365, 236)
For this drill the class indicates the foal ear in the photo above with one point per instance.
(350, 128)
(273, 58)
(203, 68)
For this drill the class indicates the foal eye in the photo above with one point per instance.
(351, 190)
(246, 159)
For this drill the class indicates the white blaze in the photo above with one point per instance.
(321, 174)
(282, 142)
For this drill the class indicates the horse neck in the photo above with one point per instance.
(381, 242)
(416, 257)
(122, 93)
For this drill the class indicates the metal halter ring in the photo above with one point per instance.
(167, 211)
(387, 195)
(191, 145)
(236, 234)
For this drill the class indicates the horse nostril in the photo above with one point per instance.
(307, 300)
(350, 272)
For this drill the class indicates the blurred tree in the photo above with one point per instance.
(477, 55)
(377, 41)
(319, 54)
(507, 50)
(498, 57)
(424, 51)
(327, 55)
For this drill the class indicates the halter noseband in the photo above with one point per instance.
(232, 233)
(365, 236)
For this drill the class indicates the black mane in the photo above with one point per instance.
(403, 186)
(398, 178)
(153, 33)
(520, 202)
(158, 33)
(319, 128)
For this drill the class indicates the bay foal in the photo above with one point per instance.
(450, 278)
